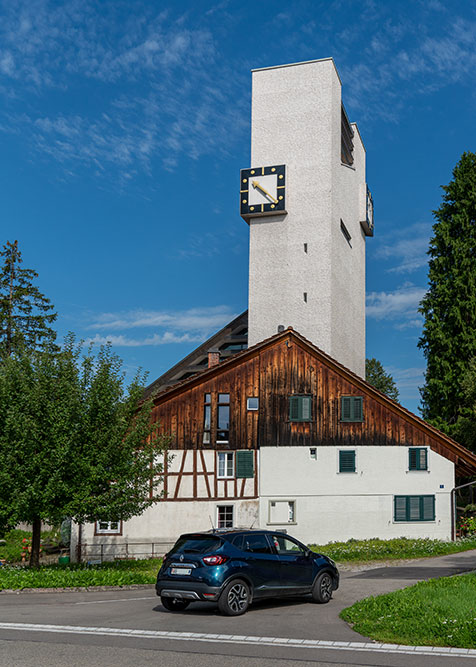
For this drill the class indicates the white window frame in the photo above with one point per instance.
(232, 507)
(290, 501)
(109, 530)
(228, 456)
(252, 398)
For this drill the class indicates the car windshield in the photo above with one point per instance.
(198, 544)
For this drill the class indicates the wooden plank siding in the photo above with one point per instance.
(275, 369)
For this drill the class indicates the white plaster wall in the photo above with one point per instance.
(296, 117)
(333, 506)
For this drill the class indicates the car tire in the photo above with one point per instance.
(323, 587)
(235, 598)
(174, 604)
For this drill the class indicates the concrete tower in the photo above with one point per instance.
(307, 264)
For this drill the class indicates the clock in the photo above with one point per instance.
(263, 191)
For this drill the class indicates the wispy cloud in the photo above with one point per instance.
(194, 319)
(407, 250)
(166, 338)
(399, 306)
(408, 381)
(158, 91)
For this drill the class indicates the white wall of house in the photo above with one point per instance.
(316, 503)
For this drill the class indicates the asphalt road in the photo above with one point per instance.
(123, 628)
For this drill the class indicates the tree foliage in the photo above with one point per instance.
(376, 375)
(25, 313)
(448, 339)
(73, 441)
(465, 428)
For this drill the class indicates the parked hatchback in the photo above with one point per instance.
(235, 567)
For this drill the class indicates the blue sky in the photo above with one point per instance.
(123, 126)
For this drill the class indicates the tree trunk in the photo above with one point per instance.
(35, 544)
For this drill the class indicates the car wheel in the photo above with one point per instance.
(322, 589)
(174, 604)
(235, 598)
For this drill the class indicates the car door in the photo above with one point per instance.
(261, 564)
(296, 566)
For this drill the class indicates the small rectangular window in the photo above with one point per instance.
(252, 403)
(304, 296)
(346, 232)
(282, 511)
(347, 460)
(414, 508)
(245, 464)
(351, 409)
(225, 516)
(313, 453)
(207, 418)
(417, 458)
(226, 464)
(108, 528)
(300, 408)
(223, 430)
(305, 248)
(346, 140)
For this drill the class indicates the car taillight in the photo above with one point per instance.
(215, 560)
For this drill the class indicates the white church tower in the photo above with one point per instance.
(306, 200)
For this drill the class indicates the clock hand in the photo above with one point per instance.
(257, 185)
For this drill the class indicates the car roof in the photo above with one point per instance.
(231, 532)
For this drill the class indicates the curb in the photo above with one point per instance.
(76, 589)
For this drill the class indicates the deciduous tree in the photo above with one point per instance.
(74, 441)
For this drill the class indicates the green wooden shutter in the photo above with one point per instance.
(244, 464)
(427, 508)
(357, 408)
(417, 458)
(294, 409)
(347, 460)
(305, 408)
(345, 408)
(400, 513)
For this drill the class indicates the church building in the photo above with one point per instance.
(271, 420)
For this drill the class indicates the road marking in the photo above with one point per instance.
(373, 647)
(118, 600)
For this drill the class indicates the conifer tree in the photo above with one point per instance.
(376, 375)
(25, 313)
(448, 339)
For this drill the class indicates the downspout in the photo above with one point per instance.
(78, 546)
(453, 508)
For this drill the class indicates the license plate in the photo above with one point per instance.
(181, 570)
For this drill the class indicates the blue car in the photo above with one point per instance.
(234, 567)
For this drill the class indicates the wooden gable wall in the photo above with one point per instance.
(274, 370)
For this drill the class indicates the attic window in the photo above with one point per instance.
(346, 140)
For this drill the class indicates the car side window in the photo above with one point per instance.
(257, 544)
(286, 547)
(238, 542)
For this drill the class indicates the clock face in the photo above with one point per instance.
(370, 209)
(263, 191)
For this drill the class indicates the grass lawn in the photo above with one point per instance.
(355, 551)
(118, 573)
(439, 612)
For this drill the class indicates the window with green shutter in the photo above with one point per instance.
(300, 408)
(417, 458)
(352, 409)
(414, 508)
(347, 460)
(244, 464)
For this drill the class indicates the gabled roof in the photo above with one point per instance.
(468, 459)
(224, 340)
